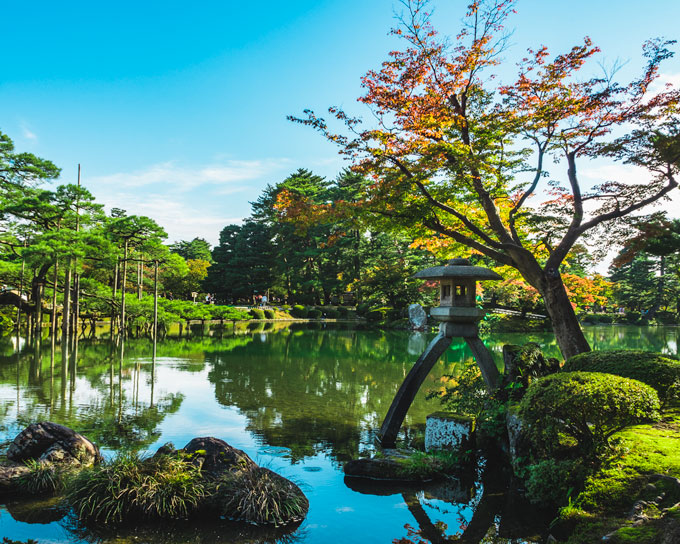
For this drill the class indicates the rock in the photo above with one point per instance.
(417, 343)
(519, 444)
(446, 430)
(53, 443)
(166, 449)
(417, 316)
(216, 456)
(377, 469)
(9, 475)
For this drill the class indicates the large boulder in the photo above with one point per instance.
(417, 317)
(215, 456)
(53, 443)
(9, 477)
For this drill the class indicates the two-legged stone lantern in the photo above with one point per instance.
(459, 315)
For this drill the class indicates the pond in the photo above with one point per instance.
(301, 400)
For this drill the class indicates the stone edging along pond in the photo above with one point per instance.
(207, 477)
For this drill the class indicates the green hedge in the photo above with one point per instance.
(298, 311)
(342, 311)
(314, 313)
(654, 369)
(589, 407)
(256, 313)
(331, 313)
(363, 308)
(269, 314)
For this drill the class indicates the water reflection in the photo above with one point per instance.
(300, 400)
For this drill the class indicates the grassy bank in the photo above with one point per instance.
(633, 497)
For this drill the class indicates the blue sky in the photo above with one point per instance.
(178, 111)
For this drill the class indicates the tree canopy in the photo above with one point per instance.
(454, 152)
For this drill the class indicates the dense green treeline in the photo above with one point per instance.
(320, 262)
(63, 260)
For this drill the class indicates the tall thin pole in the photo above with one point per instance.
(155, 303)
(21, 290)
(54, 299)
(122, 289)
(76, 276)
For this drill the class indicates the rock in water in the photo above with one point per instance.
(417, 316)
(53, 443)
(216, 456)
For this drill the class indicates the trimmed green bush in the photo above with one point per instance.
(363, 308)
(256, 313)
(587, 407)
(342, 311)
(654, 369)
(298, 311)
(331, 313)
(314, 313)
(269, 314)
(375, 314)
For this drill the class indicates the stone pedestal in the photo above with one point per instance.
(447, 430)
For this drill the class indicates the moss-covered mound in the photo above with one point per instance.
(634, 496)
(587, 407)
(654, 369)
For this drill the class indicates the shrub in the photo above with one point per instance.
(375, 314)
(554, 482)
(298, 311)
(129, 488)
(654, 369)
(363, 308)
(258, 495)
(314, 313)
(342, 311)
(269, 314)
(331, 313)
(256, 313)
(42, 478)
(588, 407)
(523, 364)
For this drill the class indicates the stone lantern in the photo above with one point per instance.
(457, 290)
(459, 316)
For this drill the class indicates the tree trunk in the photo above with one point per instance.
(122, 290)
(37, 294)
(53, 327)
(76, 303)
(113, 299)
(570, 337)
(140, 279)
(155, 304)
(66, 318)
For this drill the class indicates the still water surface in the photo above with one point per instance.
(298, 400)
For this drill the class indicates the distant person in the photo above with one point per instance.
(264, 300)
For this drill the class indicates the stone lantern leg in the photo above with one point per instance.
(459, 316)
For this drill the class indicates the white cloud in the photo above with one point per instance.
(185, 178)
(28, 133)
(181, 220)
(189, 201)
(663, 80)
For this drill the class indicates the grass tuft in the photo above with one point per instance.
(129, 488)
(258, 495)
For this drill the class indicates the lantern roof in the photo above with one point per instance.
(457, 268)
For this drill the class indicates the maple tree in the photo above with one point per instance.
(450, 147)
